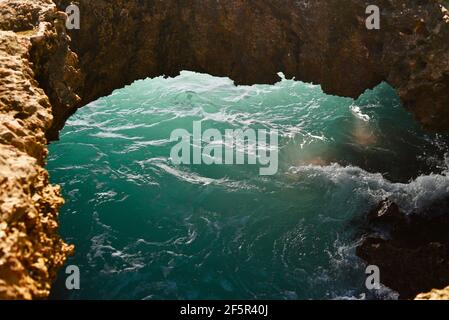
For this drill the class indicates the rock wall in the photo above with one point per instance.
(45, 75)
(410, 248)
(320, 41)
(31, 250)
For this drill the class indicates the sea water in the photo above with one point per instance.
(145, 228)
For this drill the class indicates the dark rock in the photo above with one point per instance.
(414, 257)
(386, 213)
(405, 270)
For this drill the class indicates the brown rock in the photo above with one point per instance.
(31, 251)
(434, 295)
(321, 41)
(413, 256)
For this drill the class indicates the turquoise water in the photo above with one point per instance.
(145, 228)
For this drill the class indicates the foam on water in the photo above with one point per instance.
(412, 196)
(148, 229)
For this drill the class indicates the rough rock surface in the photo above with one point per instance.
(31, 250)
(411, 250)
(320, 41)
(435, 295)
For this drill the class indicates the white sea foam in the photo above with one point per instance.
(416, 194)
(359, 114)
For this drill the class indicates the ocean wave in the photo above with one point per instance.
(415, 195)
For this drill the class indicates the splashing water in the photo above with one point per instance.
(145, 228)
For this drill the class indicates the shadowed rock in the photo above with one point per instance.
(413, 256)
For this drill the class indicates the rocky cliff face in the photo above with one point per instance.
(45, 76)
(31, 250)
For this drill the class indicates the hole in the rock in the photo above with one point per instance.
(147, 228)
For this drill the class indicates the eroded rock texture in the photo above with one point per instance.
(250, 41)
(435, 295)
(31, 250)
